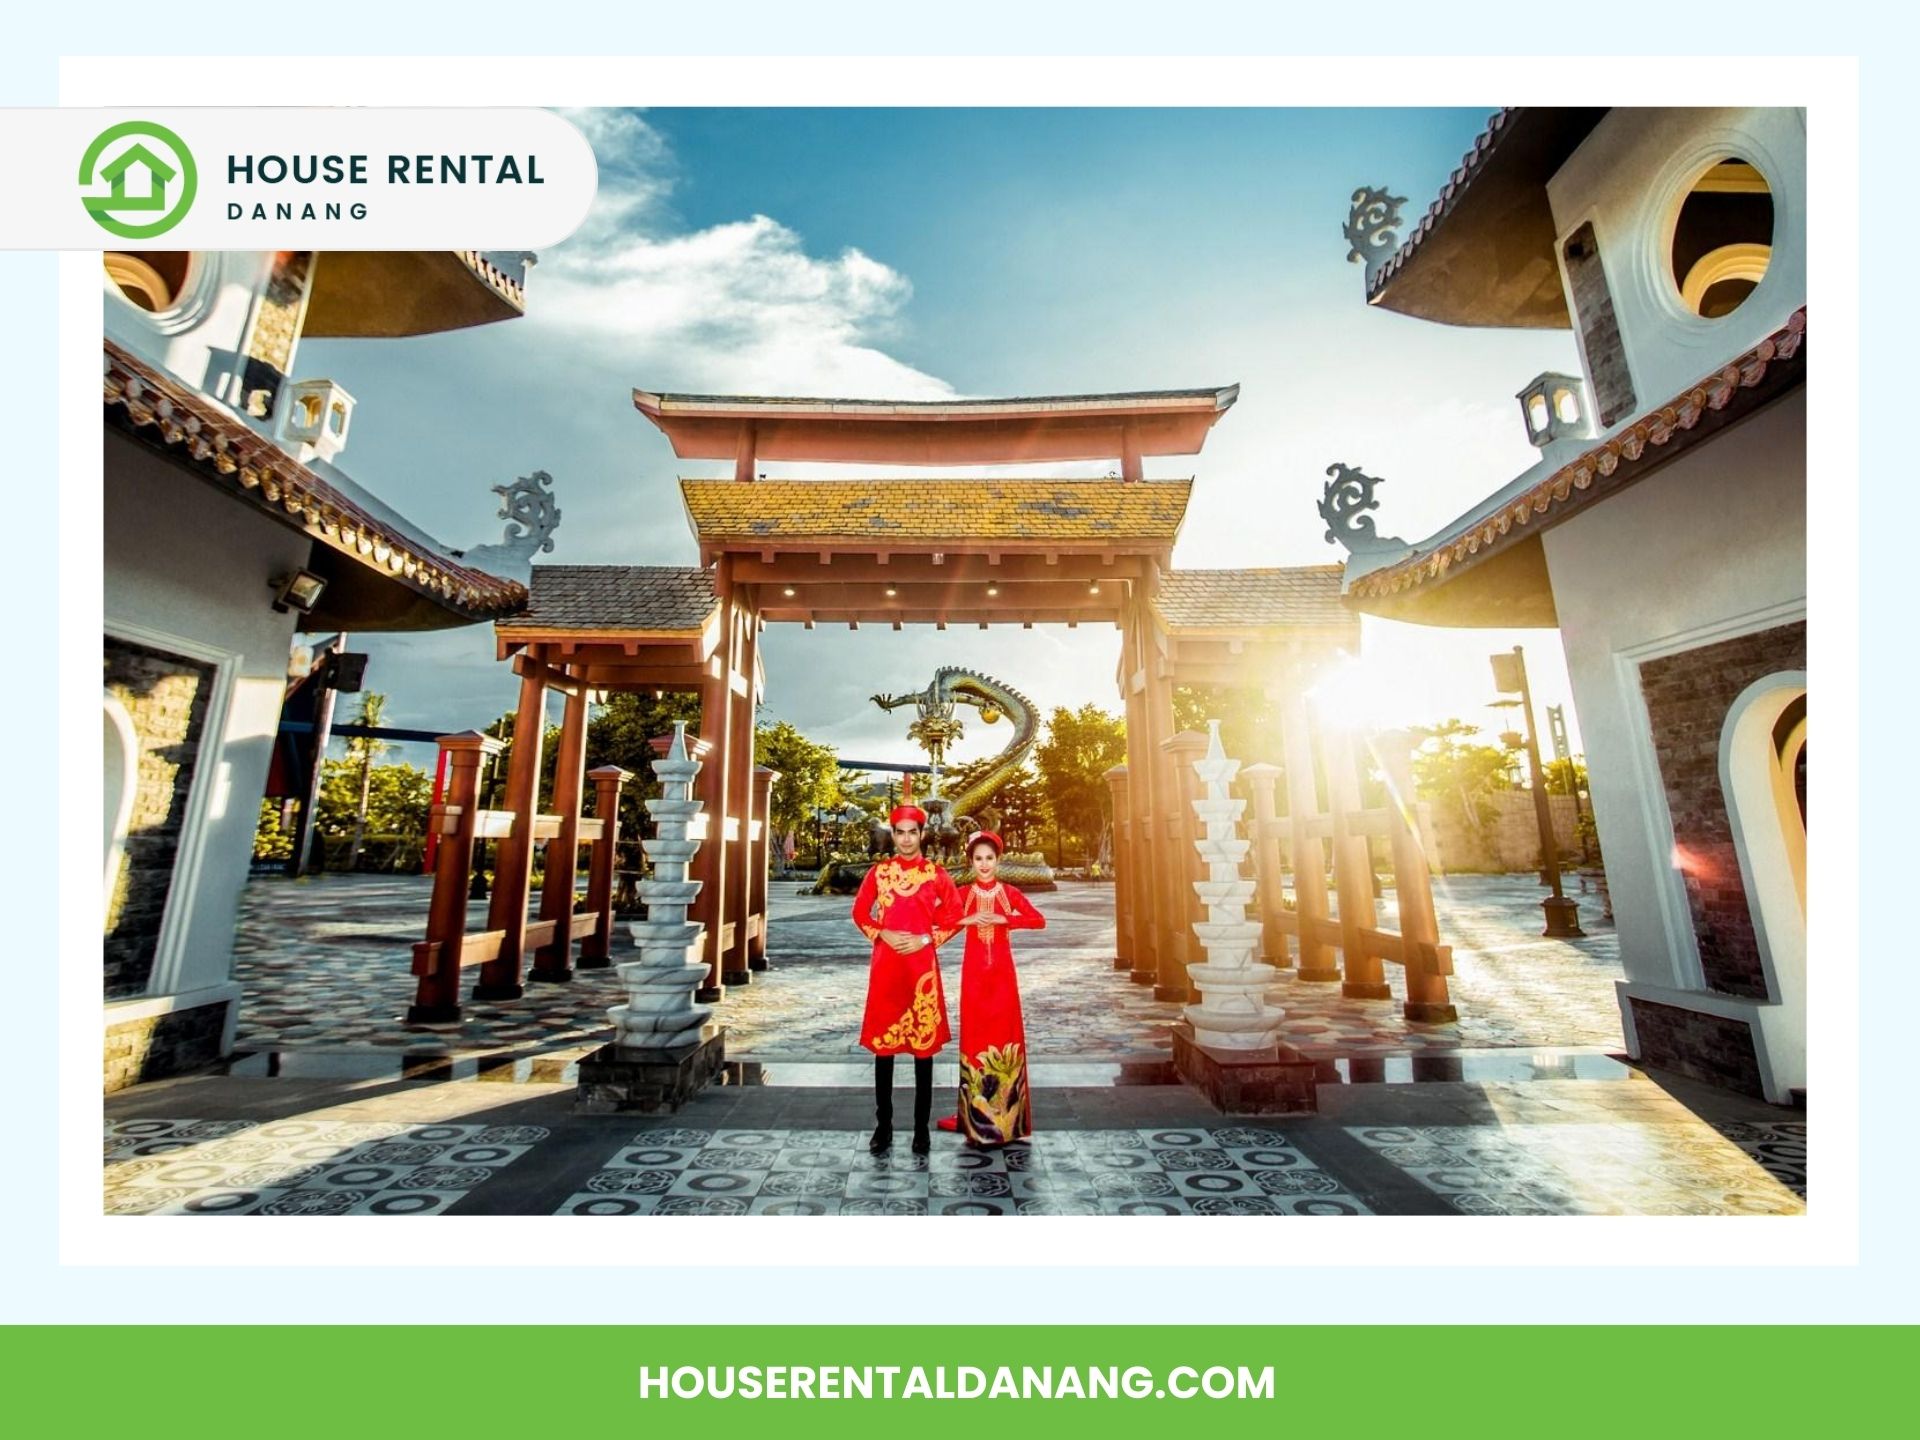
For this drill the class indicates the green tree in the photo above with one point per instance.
(1448, 763)
(363, 751)
(397, 800)
(809, 774)
(1081, 746)
(1249, 720)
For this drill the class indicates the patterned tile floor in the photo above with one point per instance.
(325, 965)
(1580, 1169)
(301, 1167)
(1229, 1170)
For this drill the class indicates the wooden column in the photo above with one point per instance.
(1123, 863)
(1309, 859)
(1364, 979)
(735, 966)
(1428, 1000)
(513, 856)
(1171, 942)
(763, 778)
(710, 787)
(436, 1000)
(1260, 780)
(1184, 865)
(1141, 769)
(596, 950)
(553, 961)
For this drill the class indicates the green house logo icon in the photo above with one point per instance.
(147, 174)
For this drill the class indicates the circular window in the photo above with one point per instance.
(154, 280)
(1722, 238)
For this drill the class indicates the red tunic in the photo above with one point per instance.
(995, 1104)
(906, 1007)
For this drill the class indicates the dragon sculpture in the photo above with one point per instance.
(935, 728)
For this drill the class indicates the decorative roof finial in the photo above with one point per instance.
(532, 517)
(1343, 505)
(1371, 229)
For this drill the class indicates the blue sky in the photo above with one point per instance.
(916, 253)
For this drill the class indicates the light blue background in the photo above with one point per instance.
(1881, 1288)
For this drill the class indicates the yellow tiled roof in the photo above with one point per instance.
(1300, 595)
(917, 510)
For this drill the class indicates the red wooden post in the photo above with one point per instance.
(596, 950)
(1260, 780)
(1309, 859)
(735, 963)
(513, 856)
(437, 962)
(1123, 862)
(432, 847)
(553, 961)
(1352, 872)
(763, 779)
(1183, 860)
(1427, 997)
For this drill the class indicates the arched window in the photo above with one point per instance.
(1722, 238)
(154, 280)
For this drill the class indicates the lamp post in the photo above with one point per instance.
(1563, 754)
(1563, 915)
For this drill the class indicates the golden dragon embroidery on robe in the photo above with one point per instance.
(920, 1026)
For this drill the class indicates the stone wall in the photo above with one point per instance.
(166, 697)
(1711, 1048)
(1688, 696)
(1507, 839)
(157, 1046)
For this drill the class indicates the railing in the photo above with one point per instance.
(458, 824)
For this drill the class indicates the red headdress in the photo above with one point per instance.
(905, 813)
(999, 846)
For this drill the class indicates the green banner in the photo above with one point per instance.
(1567, 1381)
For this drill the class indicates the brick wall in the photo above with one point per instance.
(1705, 1047)
(1688, 696)
(166, 697)
(163, 1045)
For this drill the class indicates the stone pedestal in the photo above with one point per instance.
(1277, 1080)
(663, 1047)
(650, 1081)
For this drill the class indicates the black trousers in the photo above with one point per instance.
(922, 1089)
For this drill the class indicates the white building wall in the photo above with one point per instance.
(199, 339)
(1629, 178)
(1712, 546)
(188, 570)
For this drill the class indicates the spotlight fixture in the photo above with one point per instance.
(298, 591)
(892, 591)
(993, 589)
(788, 592)
(1093, 587)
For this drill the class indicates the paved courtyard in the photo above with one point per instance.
(223, 1145)
(325, 965)
(1520, 1109)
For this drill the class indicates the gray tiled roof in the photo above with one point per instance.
(617, 597)
(1306, 595)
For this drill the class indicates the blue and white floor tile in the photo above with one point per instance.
(1232, 1170)
(301, 1167)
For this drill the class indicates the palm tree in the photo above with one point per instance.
(365, 749)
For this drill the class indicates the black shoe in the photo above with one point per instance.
(922, 1142)
(882, 1140)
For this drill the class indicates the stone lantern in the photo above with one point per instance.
(1555, 408)
(319, 413)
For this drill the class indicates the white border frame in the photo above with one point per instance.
(1827, 1235)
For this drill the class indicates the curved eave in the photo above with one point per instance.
(393, 293)
(387, 579)
(1493, 565)
(1484, 253)
(937, 433)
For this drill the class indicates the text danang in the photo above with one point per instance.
(400, 169)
